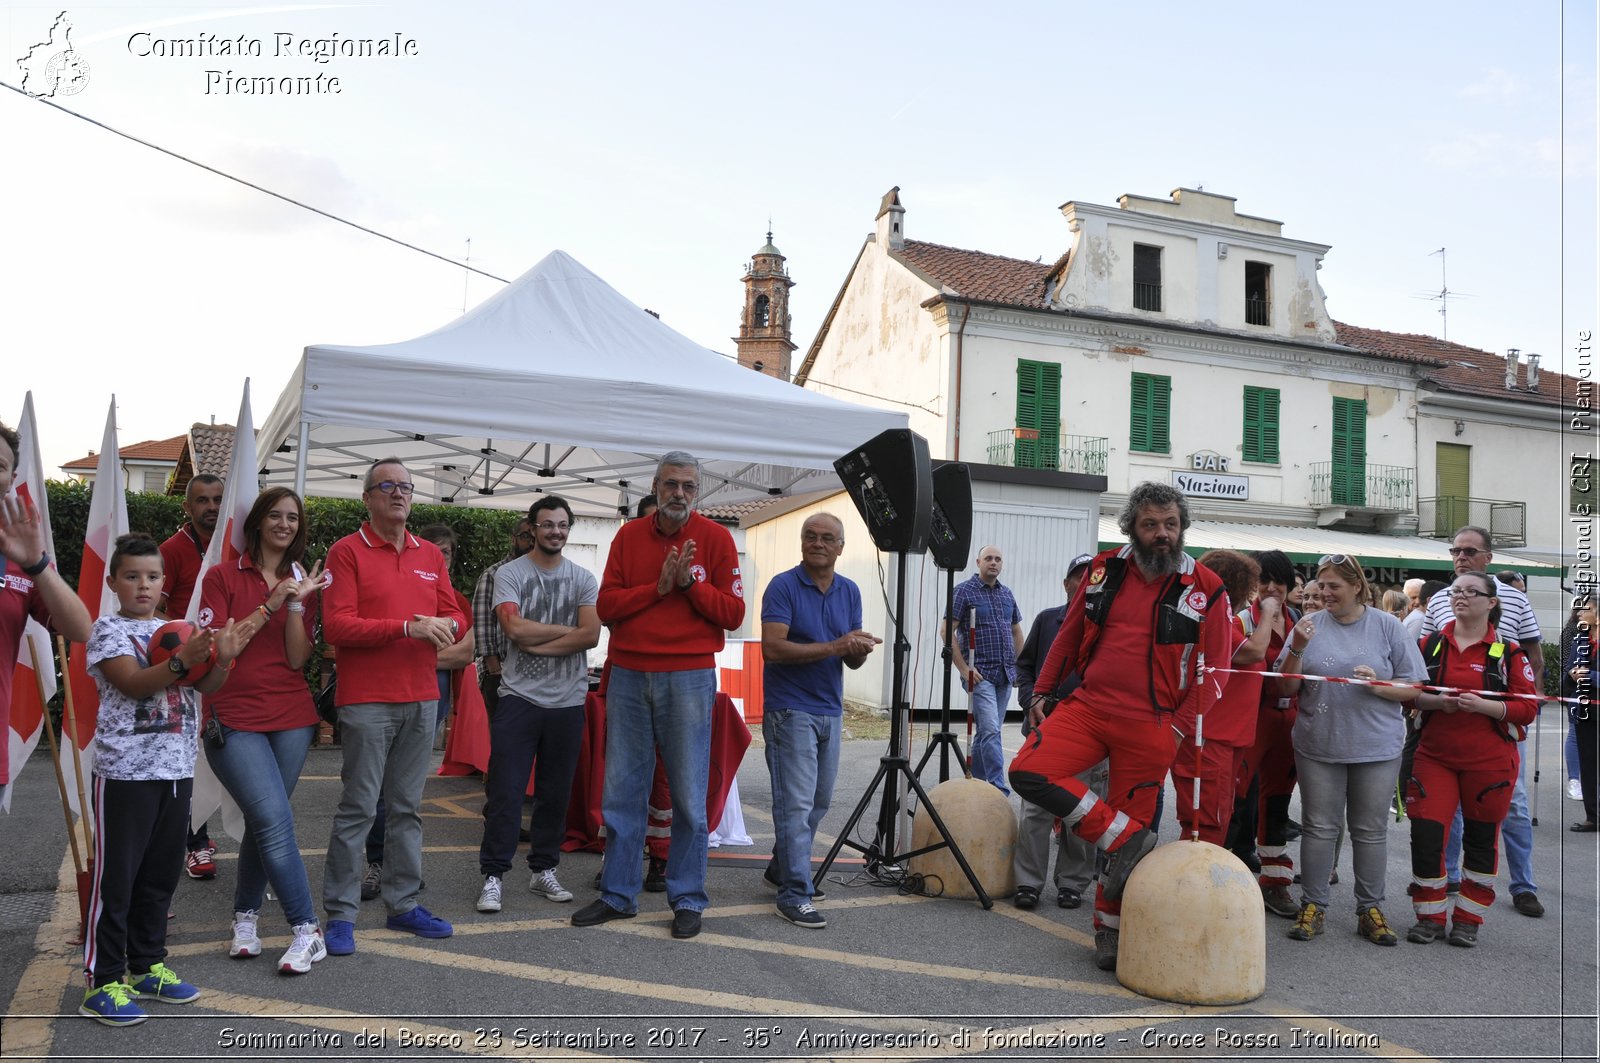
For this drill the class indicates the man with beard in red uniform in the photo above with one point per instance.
(1134, 636)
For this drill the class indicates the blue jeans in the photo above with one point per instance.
(647, 711)
(1569, 750)
(1516, 840)
(260, 769)
(803, 758)
(989, 700)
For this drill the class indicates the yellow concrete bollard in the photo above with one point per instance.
(1193, 928)
(980, 820)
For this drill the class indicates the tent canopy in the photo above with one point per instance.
(557, 384)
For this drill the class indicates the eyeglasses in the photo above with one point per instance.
(521, 535)
(688, 487)
(552, 526)
(825, 540)
(1468, 592)
(1468, 552)
(1334, 559)
(389, 487)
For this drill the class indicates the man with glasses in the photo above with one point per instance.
(487, 634)
(388, 612)
(810, 629)
(546, 606)
(1471, 552)
(671, 588)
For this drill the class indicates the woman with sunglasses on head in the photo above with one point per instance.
(1347, 740)
(1578, 666)
(259, 726)
(1466, 756)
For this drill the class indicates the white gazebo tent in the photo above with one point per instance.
(557, 384)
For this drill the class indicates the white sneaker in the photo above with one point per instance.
(489, 899)
(306, 949)
(544, 883)
(1574, 790)
(246, 943)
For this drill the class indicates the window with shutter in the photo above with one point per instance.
(1149, 422)
(1261, 424)
(1349, 465)
(1038, 446)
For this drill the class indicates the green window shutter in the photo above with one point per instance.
(1260, 424)
(1025, 452)
(1269, 424)
(1150, 414)
(1049, 451)
(1161, 414)
(1139, 414)
(1349, 465)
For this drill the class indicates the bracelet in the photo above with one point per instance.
(405, 629)
(38, 566)
(295, 607)
(266, 614)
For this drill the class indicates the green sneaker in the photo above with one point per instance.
(112, 1004)
(163, 984)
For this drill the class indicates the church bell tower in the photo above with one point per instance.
(763, 340)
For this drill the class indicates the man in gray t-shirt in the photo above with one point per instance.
(545, 604)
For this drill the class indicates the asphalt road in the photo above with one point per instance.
(892, 977)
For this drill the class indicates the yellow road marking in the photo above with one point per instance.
(55, 967)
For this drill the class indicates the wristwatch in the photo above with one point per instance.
(177, 667)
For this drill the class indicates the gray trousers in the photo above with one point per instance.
(1075, 858)
(386, 752)
(1359, 793)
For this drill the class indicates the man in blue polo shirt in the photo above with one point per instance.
(984, 633)
(810, 627)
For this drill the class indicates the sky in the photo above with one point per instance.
(654, 142)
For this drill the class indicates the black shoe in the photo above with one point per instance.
(1453, 886)
(596, 912)
(1291, 831)
(597, 875)
(1463, 935)
(1425, 932)
(1120, 864)
(1250, 860)
(1068, 899)
(1027, 898)
(1528, 904)
(655, 876)
(1105, 949)
(770, 877)
(685, 923)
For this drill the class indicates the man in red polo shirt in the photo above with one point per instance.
(181, 555)
(388, 611)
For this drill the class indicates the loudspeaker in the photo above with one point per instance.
(950, 530)
(890, 481)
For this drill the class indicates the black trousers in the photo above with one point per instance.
(140, 832)
(522, 734)
(1587, 752)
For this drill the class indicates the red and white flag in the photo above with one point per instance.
(108, 518)
(27, 710)
(239, 492)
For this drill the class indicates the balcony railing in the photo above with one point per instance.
(1371, 487)
(1257, 311)
(1439, 517)
(1019, 448)
(1146, 296)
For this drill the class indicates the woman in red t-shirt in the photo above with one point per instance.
(259, 726)
(1467, 756)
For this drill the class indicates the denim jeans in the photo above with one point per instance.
(1569, 750)
(1516, 840)
(647, 711)
(260, 769)
(803, 758)
(989, 701)
(523, 738)
(386, 750)
(1360, 795)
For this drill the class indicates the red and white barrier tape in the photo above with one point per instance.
(1424, 687)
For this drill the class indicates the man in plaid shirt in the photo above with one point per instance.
(491, 639)
(985, 625)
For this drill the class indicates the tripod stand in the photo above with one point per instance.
(943, 741)
(892, 767)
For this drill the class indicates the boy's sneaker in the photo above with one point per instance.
(161, 982)
(306, 949)
(489, 899)
(421, 922)
(340, 937)
(372, 882)
(804, 914)
(246, 942)
(544, 883)
(202, 862)
(113, 1005)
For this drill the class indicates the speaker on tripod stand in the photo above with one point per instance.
(950, 545)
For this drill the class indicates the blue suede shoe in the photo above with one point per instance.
(421, 922)
(340, 937)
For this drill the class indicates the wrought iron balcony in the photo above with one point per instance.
(1384, 488)
(1021, 449)
(1439, 517)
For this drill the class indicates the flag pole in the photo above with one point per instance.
(69, 717)
(55, 755)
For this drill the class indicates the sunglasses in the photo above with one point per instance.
(1468, 552)
(1334, 559)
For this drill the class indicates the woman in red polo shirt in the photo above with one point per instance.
(259, 726)
(1467, 756)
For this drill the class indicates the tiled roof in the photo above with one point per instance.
(151, 450)
(211, 448)
(1454, 367)
(980, 275)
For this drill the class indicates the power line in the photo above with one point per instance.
(250, 184)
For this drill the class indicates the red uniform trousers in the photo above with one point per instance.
(658, 815)
(1075, 738)
(1219, 768)
(1272, 758)
(1432, 794)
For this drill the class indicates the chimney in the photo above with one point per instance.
(891, 221)
(1533, 372)
(1511, 368)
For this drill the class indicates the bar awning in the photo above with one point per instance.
(1306, 546)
